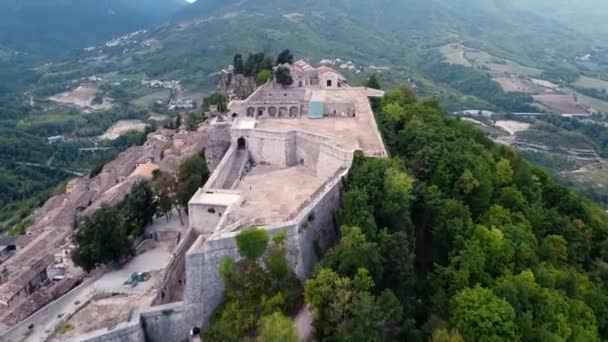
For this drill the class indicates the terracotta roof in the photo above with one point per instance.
(325, 69)
(302, 65)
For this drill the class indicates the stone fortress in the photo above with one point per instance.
(278, 160)
(285, 152)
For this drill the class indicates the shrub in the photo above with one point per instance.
(252, 243)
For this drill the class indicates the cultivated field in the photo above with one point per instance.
(499, 65)
(512, 127)
(82, 97)
(121, 127)
(517, 85)
(594, 83)
(587, 101)
(561, 103)
(149, 99)
(454, 54)
(544, 83)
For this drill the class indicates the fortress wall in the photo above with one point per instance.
(332, 159)
(318, 228)
(165, 323)
(291, 152)
(218, 177)
(270, 93)
(307, 150)
(217, 144)
(175, 270)
(270, 147)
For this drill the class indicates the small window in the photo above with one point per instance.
(211, 211)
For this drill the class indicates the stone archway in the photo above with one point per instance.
(251, 111)
(261, 111)
(241, 143)
(293, 112)
(272, 111)
(283, 111)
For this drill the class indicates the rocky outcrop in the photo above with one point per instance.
(235, 86)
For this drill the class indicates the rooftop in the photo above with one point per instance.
(263, 201)
(215, 198)
(358, 133)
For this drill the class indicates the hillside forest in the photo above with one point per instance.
(452, 238)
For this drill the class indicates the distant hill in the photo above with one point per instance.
(48, 27)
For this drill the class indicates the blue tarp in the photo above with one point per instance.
(315, 110)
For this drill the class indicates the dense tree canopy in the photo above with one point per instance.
(474, 242)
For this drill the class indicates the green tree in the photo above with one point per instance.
(276, 328)
(353, 252)
(263, 76)
(398, 269)
(283, 76)
(397, 198)
(372, 82)
(345, 308)
(504, 172)
(165, 188)
(356, 211)
(554, 249)
(192, 173)
(482, 316)
(467, 183)
(285, 57)
(238, 64)
(101, 239)
(139, 207)
(445, 335)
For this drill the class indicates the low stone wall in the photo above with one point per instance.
(125, 332)
(165, 323)
(339, 109)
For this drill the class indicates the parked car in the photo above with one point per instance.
(131, 281)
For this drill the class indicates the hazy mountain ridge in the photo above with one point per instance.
(52, 26)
